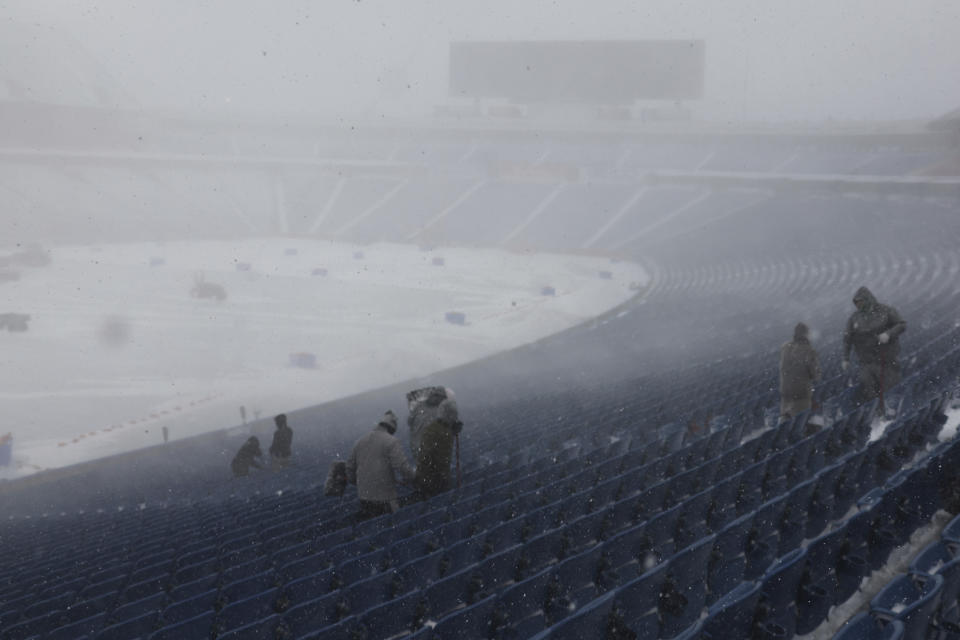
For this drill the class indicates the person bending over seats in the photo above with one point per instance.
(375, 461)
(873, 333)
(280, 447)
(799, 369)
(246, 457)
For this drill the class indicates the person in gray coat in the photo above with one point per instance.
(873, 333)
(374, 464)
(799, 370)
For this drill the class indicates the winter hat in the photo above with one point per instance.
(801, 332)
(389, 420)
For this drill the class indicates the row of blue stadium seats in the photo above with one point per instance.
(923, 601)
(794, 593)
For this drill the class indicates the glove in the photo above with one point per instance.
(883, 338)
(844, 365)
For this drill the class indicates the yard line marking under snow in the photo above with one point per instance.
(334, 195)
(540, 208)
(615, 218)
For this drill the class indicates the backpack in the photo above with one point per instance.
(336, 482)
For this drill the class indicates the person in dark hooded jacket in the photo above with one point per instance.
(873, 333)
(246, 457)
(282, 438)
(799, 370)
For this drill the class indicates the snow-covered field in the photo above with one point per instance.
(117, 348)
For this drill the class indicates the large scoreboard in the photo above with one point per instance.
(588, 71)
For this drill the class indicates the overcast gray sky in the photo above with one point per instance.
(766, 60)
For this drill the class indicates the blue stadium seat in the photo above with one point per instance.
(774, 481)
(240, 613)
(591, 621)
(604, 493)
(345, 629)
(583, 531)
(450, 533)
(659, 534)
(937, 558)
(763, 539)
(650, 502)
(733, 615)
(684, 590)
(292, 552)
(472, 621)
(361, 567)
(83, 628)
(197, 571)
(396, 617)
(864, 626)
(88, 606)
(264, 628)
(420, 573)
(691, 523)
(450, 593)
(780, 587)
(911, 601)
(108, 585)
(242, 589)
(150, 604)
(820, 510)
(874, 524)
(577, 578)
(497, 570)
(309, 587)
(817, 459)
(916, 495)
(199, 626)
(639, 600)
(45, 606)
(315, 614)
(188, 608)
(372, 592)
(137, 627)
(412, 547)
(504, 535)
(245, 570)
(723, 507)
(819, 587)
(158, 569)
(951, 532)
(464, 553)
(33, 627)
(150, 587)
(305, 566)
(520, 607)
(750, 489)
(727, 564)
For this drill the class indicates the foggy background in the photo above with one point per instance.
(858, 60)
